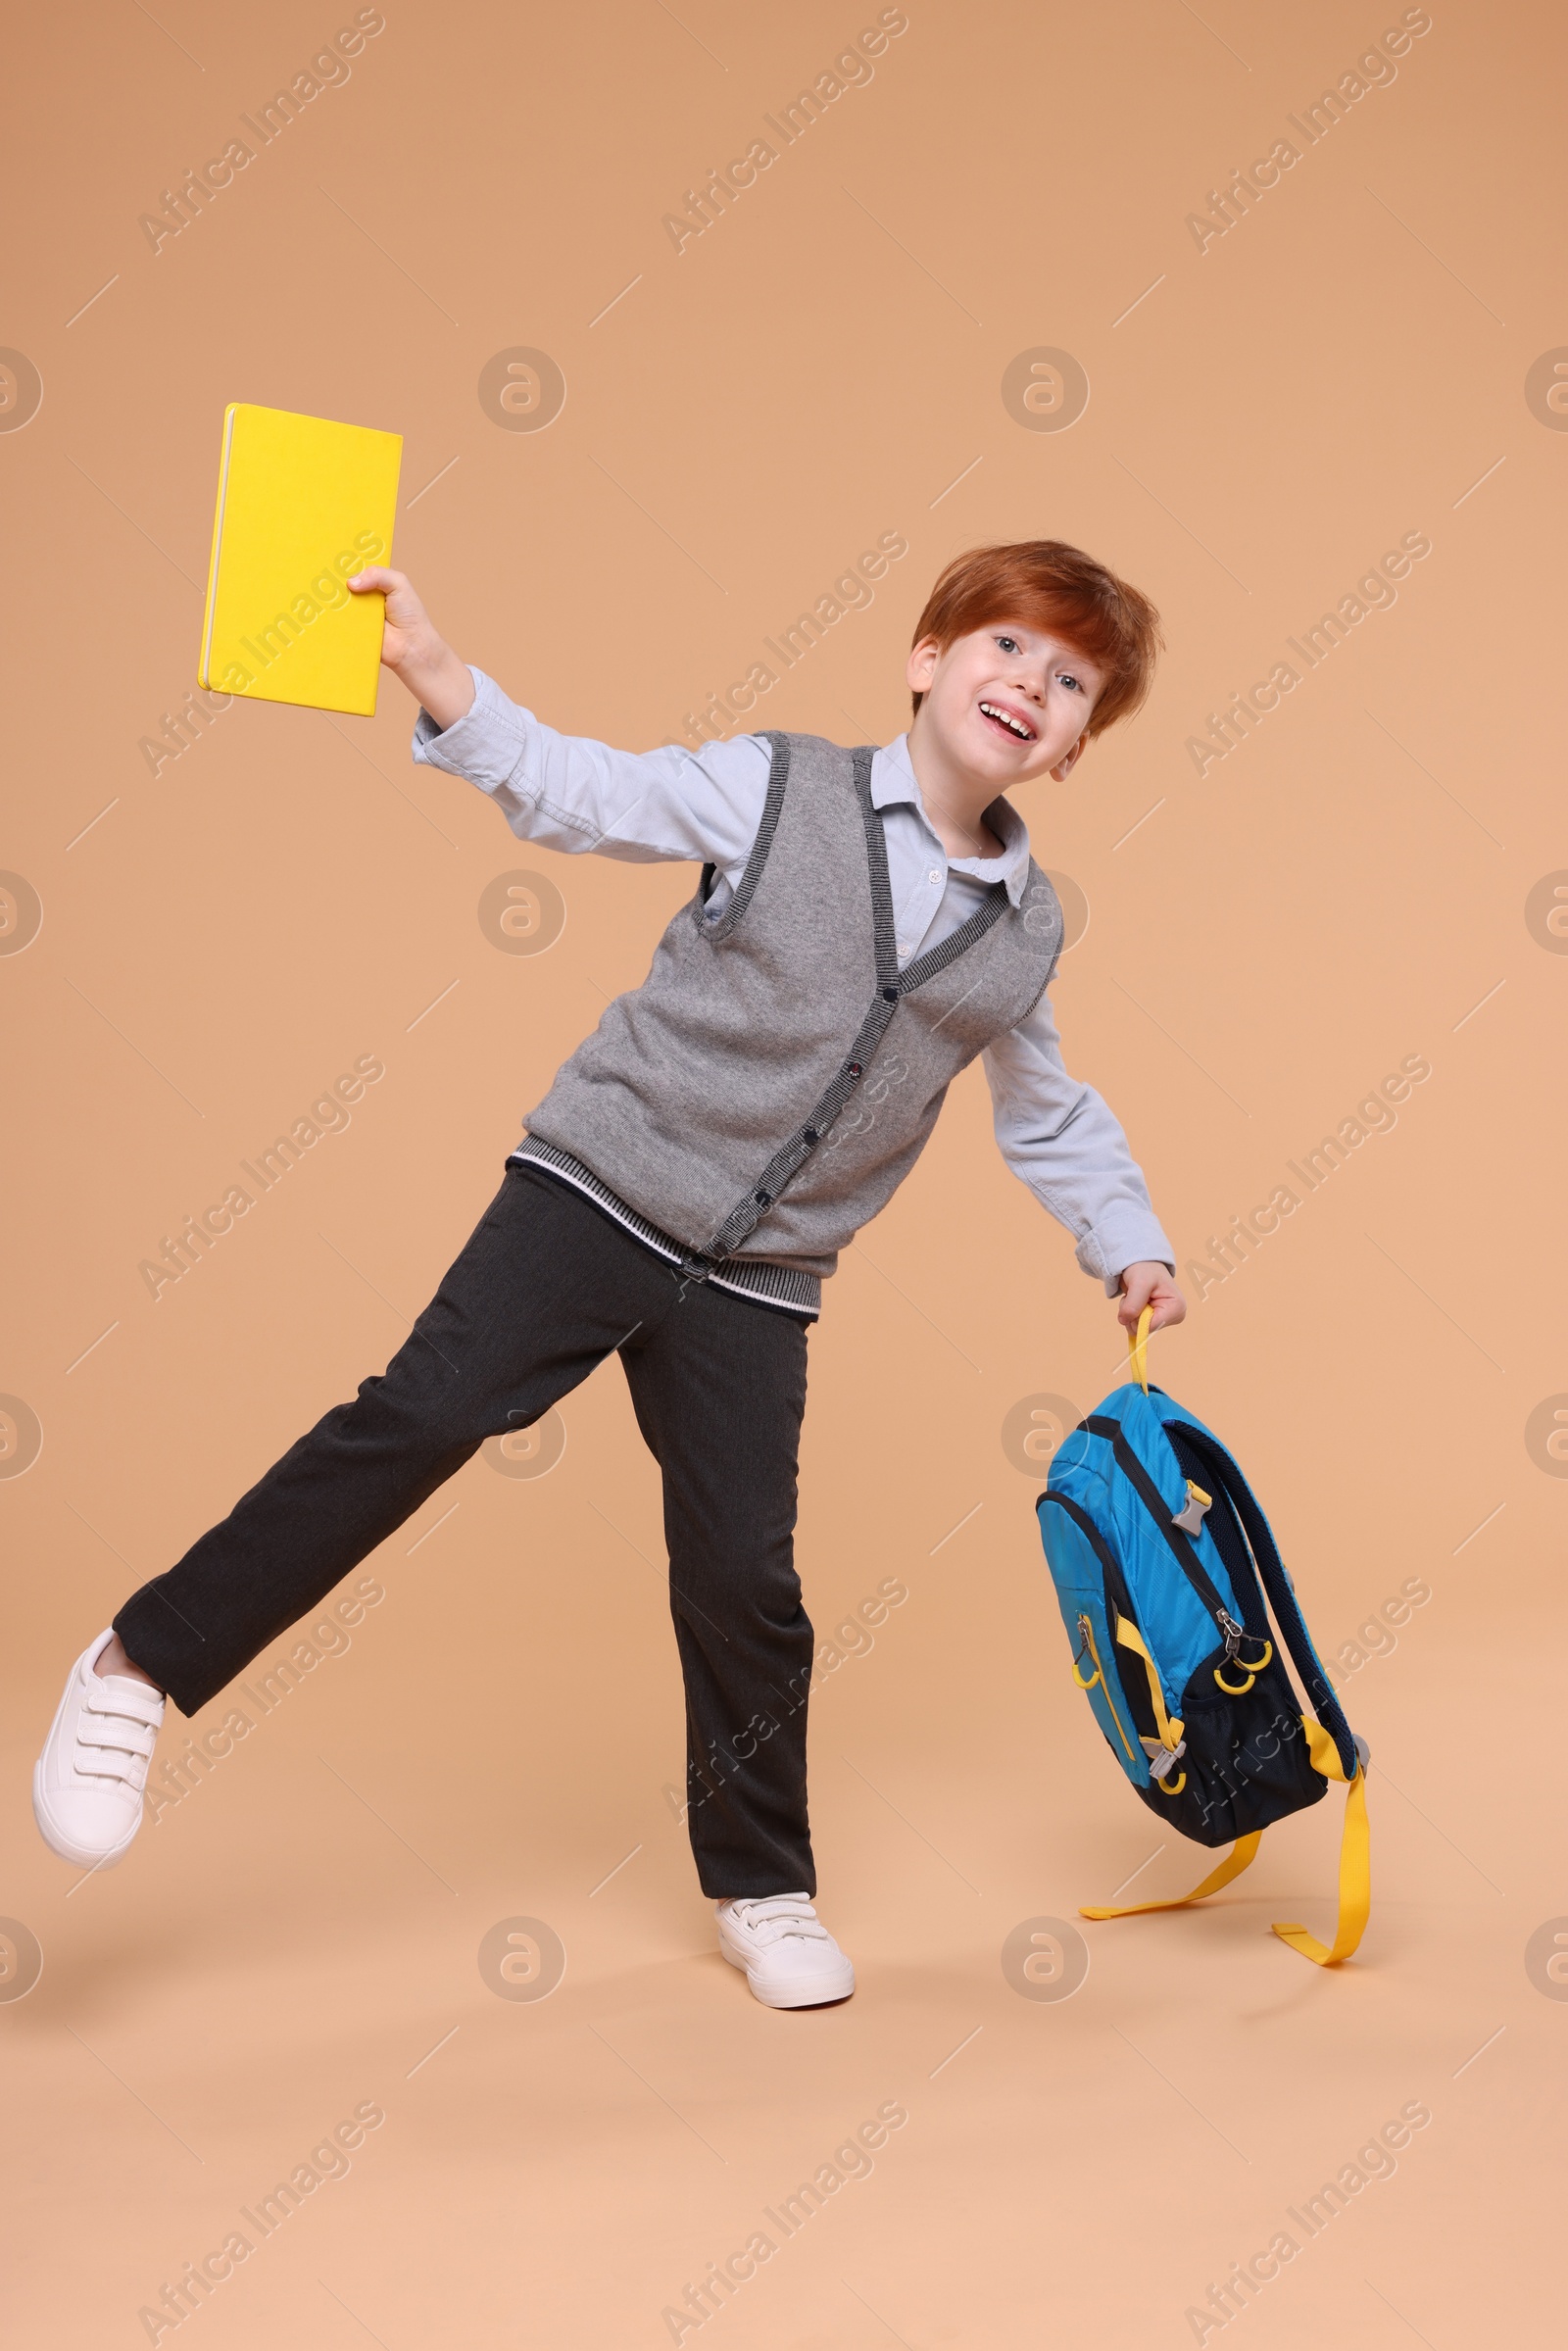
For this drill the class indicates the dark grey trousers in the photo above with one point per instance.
(544, 1289)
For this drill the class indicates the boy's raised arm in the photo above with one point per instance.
(569, 792)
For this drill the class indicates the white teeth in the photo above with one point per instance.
(991, 711)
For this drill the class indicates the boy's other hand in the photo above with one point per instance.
(411, 650)
(1150, 1283)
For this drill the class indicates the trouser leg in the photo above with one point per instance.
(719, 1392)
(545, 1287)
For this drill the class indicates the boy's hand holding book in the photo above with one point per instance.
(411, 648)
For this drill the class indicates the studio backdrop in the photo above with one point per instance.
(712, 333)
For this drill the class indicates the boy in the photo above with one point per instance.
(866, 924)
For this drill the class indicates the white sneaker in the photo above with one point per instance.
(87, 1784)
(790, 1960)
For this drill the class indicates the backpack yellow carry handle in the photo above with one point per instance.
(1138, 1349)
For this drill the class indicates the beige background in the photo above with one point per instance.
(1347, 364)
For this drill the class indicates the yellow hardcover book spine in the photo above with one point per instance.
(204, 664)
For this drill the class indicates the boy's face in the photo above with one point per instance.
(1006, 702)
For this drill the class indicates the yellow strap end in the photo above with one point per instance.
(1240, 1857)
(1355, 1876)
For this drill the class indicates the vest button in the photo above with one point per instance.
(891, 994)
(762, 1199)
(809, 1134)
(854, 1070)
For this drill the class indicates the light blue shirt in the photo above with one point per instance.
(569, 793)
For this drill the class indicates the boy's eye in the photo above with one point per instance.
(1008, 644)
(1067, 680)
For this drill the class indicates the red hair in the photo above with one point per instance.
(1059, 588)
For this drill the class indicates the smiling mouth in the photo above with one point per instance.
(1005, 719)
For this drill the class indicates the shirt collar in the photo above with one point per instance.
(893, 785)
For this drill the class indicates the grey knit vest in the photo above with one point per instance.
(776, 1077)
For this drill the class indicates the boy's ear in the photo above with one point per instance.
(1065, 765)
(922, 661)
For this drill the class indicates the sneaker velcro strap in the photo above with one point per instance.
(132, 1700)
(129, 1739)
(785, 1914)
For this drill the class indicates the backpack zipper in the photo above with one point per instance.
(1180, 1542)
(1086, 1634)
(1118, 1606)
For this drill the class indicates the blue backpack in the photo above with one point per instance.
(1167, 1578)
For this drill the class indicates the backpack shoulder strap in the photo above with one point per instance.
(1277, 1590)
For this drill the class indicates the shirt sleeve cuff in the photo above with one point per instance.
(1125, 1236)
(484, 746)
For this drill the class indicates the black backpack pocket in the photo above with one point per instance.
(1246, 1759)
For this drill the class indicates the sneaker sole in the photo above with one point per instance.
(821, 1991)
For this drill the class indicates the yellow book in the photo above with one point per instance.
(303, 504)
